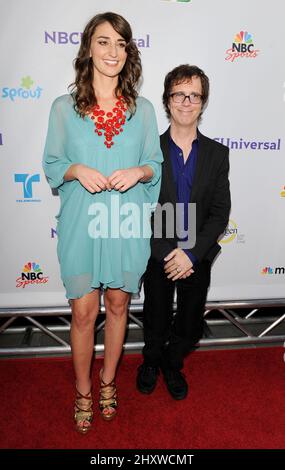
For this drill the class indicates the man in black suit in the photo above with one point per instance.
(195, 170)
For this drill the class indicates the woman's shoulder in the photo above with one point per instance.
(63, 103)
(144, 104)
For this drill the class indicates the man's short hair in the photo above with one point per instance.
(181, 74)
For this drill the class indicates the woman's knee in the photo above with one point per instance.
(116, 306)
(85, 310)
(83, 317)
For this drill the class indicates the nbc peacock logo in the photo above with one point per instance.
(31, 274)
(282, 194)
(242, 47)
(268, 270)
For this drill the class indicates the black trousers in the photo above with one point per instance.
(169, 338)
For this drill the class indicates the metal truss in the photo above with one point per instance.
(248, 329)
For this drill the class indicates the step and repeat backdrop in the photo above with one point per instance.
(239, 45)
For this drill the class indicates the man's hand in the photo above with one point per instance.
(178, 265)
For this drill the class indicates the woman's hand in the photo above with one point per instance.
(121, 180)
(91, 179)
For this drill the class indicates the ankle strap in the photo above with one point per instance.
(103, 384)
(87, 397)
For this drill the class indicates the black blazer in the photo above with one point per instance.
(210, 192)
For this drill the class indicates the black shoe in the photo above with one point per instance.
(176, 383)
(147, 378)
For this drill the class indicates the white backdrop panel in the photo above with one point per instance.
(246, 109)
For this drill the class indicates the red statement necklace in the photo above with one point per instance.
(110, 123)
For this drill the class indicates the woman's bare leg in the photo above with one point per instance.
(116, 304)
(84, 314)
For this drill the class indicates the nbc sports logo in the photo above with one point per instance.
(31, 274)
(242, 47)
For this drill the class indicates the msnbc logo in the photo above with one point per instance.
(23, 92)
(27, 182)
(31, 274)
(242, 46)
(269, 270)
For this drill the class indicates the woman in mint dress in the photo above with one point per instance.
(102, 153)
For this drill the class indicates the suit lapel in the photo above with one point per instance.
(167, 174)
(200, 167)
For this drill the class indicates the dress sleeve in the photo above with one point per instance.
(55, 160)
(151, 152)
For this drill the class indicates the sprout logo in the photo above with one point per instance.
(25, 91)
(230, 232)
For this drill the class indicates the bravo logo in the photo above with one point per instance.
(242, 46)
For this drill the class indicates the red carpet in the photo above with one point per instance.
(236, 400)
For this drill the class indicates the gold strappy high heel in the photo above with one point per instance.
(83, 412)
(108, 399)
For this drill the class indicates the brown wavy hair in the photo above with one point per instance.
(129, 77)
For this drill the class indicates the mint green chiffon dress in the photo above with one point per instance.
(103, 238)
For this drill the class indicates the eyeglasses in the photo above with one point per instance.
(180, 97)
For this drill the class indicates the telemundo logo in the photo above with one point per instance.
(25, 91)
(27, 186)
